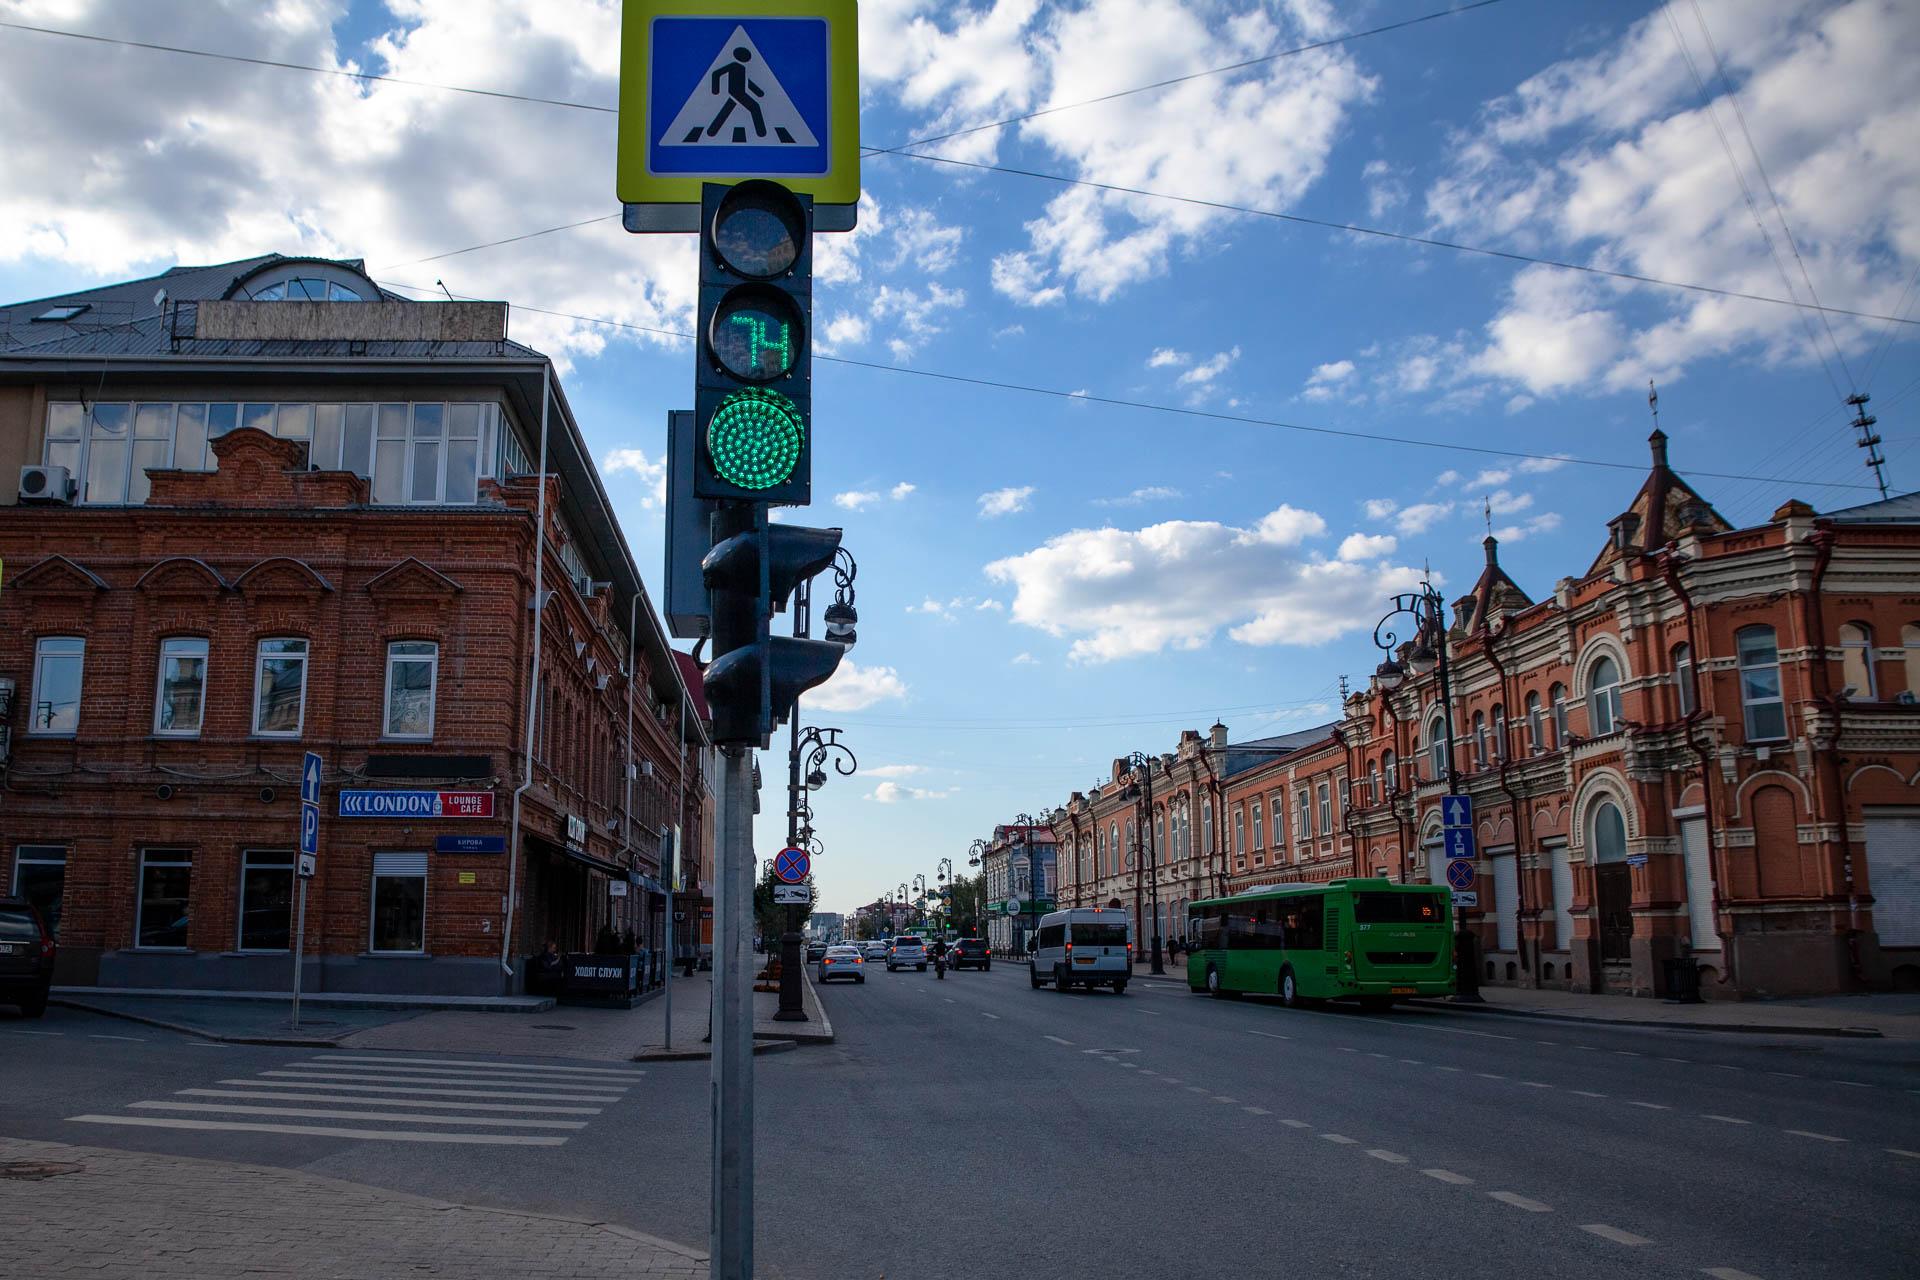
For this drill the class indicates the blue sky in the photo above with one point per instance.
(1047, 581)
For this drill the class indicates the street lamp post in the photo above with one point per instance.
(1428, 613)
(1027, 822)
(975, 852)
(944, 875)
(1142, 765)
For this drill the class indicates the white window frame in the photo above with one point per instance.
(1604, 699)
(160, 683)
(260, 657)
(1749, 705)
(1323, 797)
(1559, 712)
(1536, 742)
(40, 658)
(271, 860)
(374, 877)
(1259, 825)
(170, 857)
(1303, 802)
(432, 659)
(1682, 655)
(1865, 648)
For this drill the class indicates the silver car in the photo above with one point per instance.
(875, 949)
(841, 961)
(907, 950)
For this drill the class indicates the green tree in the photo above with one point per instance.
(769, 917)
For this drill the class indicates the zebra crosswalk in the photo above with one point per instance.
(380, 1098)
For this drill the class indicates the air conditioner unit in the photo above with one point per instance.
(47, 484)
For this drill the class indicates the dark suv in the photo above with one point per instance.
(969, 951)
(26, 957)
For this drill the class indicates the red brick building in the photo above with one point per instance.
(280, 511)
(1706, 744)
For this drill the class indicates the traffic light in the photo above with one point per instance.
(753, 382)
(754, 566)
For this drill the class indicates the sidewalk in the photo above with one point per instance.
(248, 1017)
(1894, 1017)
(123, 1215)
(610, 1035)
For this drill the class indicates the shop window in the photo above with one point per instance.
(266, 901)
(40, 876)
(166, 882)
(58, 663)
(399, 914)
(280, 687)
(180, 698)
(412, 666)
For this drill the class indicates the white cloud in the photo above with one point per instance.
(1446, 478)
(1545, 522)
(1368, 546)
(1380, 508)
(1025, 660)
(1503, 503)
(1325, 378)
(1004, 502)
(1209, 369)
(1519, 403)
(853, 687)
(1422, 516)
(891, 770)
(856, 499)
(899, 492)
(1164, 356)
(1127, 592)
(1017, 276)
(846, 329)
(1489, 480)
(652, 474)
(915, 314)
(1385, 191)
(922, 243)
(933, 608)
(1147, 493)
(894, 793)
(1539, 466)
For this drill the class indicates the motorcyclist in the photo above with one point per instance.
(939, 950)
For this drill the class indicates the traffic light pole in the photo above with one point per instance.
(792, 1007)
(730, 1232)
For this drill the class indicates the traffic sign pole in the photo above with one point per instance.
(311, 768)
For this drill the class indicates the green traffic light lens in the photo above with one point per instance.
(755, 437)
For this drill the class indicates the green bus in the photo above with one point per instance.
(1368, 940)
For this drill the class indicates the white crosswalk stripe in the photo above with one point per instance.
(427, 1100)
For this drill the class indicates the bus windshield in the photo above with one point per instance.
(1397, 908)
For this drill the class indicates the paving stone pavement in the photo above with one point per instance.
(123, 1215)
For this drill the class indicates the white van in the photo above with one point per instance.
(1084, 947)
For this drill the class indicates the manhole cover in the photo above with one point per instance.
(553, 1026)
(37, 1170)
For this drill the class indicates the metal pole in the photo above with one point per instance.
(1466, 976)
(730, 1233)
(1153, 874)
(299, 948)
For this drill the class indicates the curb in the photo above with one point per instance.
(702, 1055)
(1747, 1028)
(288, 1041)
(328, 999)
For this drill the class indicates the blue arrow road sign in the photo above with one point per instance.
(1460, 873)
(1459, 842)
(310, 779)
(791, 865)
(1456, 811)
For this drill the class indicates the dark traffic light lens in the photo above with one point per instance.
(758, 230)
(756, 333)
(755, 438)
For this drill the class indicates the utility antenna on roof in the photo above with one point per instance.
(1486, 513)
(1869, 439)
(444, 289)
(1653, 403)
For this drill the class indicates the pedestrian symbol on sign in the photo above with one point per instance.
(739, 87)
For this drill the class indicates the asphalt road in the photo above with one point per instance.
(976, 1127)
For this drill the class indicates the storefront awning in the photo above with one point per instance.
(580, 856)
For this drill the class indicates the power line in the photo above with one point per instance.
(1328, 43)
(1087, 397)
(300, 66)
(1430, 242)
(898, 150)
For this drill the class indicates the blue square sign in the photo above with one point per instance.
(310, 778)
(739, 95)
(309, 829)
(1456, 811)
(1459, 842)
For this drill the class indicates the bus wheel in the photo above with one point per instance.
(1289, 993)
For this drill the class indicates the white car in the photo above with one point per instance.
(907, 950)
(875, 949)
(842, 962)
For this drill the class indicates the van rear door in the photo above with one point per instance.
(1102, 943)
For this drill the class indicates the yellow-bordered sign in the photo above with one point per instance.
(725, 90)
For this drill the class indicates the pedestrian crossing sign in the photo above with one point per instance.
(726, 90)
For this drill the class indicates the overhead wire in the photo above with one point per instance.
(1087, 397)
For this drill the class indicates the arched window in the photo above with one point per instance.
(1609, 833)
(1603, 698)
(1373, 782)
(1499, 731)
(1479, 740)
(1760, 696)
(1259, 828)
(1436, 750)
(1856, 661)
(1535, 726)
(1206, 826)
(1113, 848)
(1557, 696)
(305, 289)
(1683, 679)
(1160, 833)
(1390, 770)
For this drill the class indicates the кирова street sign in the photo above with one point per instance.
(726, 90)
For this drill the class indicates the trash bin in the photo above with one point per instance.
(1683, 980)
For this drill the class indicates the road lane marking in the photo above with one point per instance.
(1344, 1049)
(1817, 1137)
(1588, 1093)
(1150, 1013)
(1708, 1115)
(1271, 1035)
(1853, 1084)
(1296, 1124)
(493, 1094)
(1381, 1056)
(1057, 1040)
(1341, 1138)
(1628, 1053)
(628, 1072)
(1899, 1151)
(949, 999)
(1681, 1061)
(1519, 1201)
(95, 1035)
(1614, 1234)
(1221, 1097)
(1535, 1084)
(1489, 1075)
(1728, 1273)
(328, 1131)
(256, 1094)
(1555, 1042)
(21, 1031)
(1127, 1065)
(994, 1016)
(1787, 1075)
(326, 1113)
(1651, 1106)
(1391, 1157)
(1170, 1079)
(430, 1083)
(1449, 1176)
(1256, 1111)
(1412, 1062)
(1148, 1071)
(1446, 1068)
(1197, 1088)
(515, 1074)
